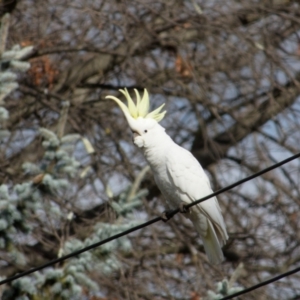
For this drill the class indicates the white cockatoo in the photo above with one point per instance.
(178, 174)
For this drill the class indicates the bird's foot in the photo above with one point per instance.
(167, 215)
(183, 208)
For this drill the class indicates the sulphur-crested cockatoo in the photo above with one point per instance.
(177, 172)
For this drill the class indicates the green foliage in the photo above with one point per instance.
(126, 203)
(13, 214)
(52, 178)
(225, 287)
(55, 172)
(67, 281)
(10, 66)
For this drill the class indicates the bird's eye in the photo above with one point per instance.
(145, 130)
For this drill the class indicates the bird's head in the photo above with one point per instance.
(143, 124)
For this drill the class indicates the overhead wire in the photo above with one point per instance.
(170, 214)
(262, 283)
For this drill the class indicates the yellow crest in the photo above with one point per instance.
(141, 108)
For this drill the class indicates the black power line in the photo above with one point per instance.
(135, 228)
(266, 282)
(63, 258)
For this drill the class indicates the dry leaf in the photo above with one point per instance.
(182, 67)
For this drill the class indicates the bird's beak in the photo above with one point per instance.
(135, 134)
(138, 142)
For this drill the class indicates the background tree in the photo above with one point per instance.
(70, 175)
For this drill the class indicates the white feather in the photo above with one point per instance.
(180, 177)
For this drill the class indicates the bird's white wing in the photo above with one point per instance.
(189, 178)
(186, 174)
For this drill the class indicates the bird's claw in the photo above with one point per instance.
(167, 215)
(183, 208)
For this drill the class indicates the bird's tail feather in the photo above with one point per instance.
(211, 243)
